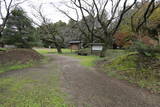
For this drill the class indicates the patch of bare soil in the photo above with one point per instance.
(19, 56)
(89, 88)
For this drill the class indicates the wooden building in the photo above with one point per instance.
(74, 45)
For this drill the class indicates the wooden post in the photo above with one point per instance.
(91, 49)
(159, 37)
(71, 48)
(140, 38)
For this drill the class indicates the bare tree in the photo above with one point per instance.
(108, 25)
(6, 6)
(86, 22)
(47, 27)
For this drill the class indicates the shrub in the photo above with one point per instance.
(145, 50)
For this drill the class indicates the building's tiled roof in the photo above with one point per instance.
(76, 42)
(96, 44)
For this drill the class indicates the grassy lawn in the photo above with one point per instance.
(2, 49)
(121, 64)
(5, 68)
(18, 66)
(87, 61)
(45, 50)
(54, 51)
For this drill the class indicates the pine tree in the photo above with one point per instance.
(19, 29)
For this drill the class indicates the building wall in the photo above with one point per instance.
(74, 47)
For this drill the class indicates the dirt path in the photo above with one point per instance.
(88, 88)
(37, 87)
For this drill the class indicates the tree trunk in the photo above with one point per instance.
(2, 45)
(59, 50)
(58, 47)
(103, 52)
(107, 44)
(1, 42)
(158, 38)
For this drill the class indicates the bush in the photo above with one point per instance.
(145, 50)
(135, 68)
(84, 52)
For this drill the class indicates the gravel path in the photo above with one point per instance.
(85, 86)
(88, 88)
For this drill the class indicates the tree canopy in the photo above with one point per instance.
(19, 29)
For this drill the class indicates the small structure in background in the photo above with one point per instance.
(1, 44)
(96, 48)
(10, 46)
(74, 45)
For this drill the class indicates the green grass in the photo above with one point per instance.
(17, 66)
(54, 51)
(87, 61)
(33, 89)
(3, 49)
(45, 51)
(122, 65)
(124, 62)
(30, 93)
(5, 68)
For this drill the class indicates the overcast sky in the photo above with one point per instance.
(49, 11)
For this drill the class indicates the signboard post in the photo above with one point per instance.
(96, 47)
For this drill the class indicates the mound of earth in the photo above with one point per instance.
(21, 56)
(144, 71)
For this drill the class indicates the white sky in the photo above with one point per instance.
(49, 11)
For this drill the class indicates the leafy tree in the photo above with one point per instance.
(144, 22)
(70, 32)
(153, 26)
(19, 30)
(53, 34)
(6, 6)
(140, 22)
(74, 33)
(49, 29)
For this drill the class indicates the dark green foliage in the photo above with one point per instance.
(52, 34)
(19, 30)
(84, 52)
(123, 65)
(145, 50)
